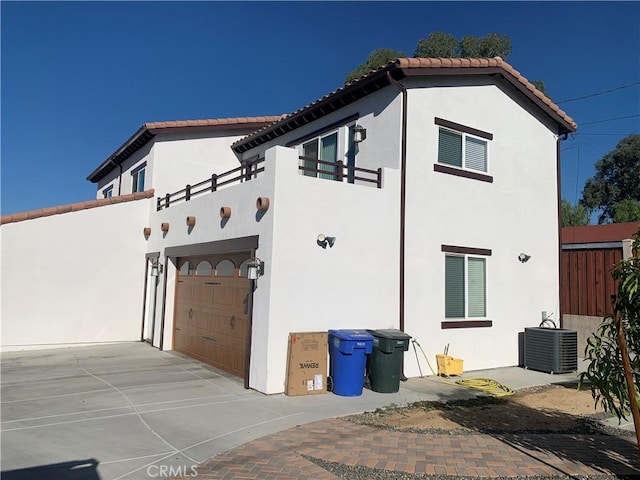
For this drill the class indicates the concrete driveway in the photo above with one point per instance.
(130, 411)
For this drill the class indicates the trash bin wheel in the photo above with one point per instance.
(329, 384)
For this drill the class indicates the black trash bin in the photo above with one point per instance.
(385, 361)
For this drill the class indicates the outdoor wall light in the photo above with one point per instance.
(255, 268)
(323, 241)
(359, 133)
(524, 258)
(156, 267)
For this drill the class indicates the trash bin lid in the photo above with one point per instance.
(392, 333)
(352, 335)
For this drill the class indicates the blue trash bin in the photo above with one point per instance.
(348, 350)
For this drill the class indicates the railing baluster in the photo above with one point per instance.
(340, 171)
(187, 193)
(167, 200)
(214, 182)
(379, 179)
(158, 206)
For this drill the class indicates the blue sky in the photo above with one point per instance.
(78, 78)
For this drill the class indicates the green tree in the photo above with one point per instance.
(376, 59)
(491, 45)
(613, 351)
(573, 215)
(539, 84)
(626, 211)
(437, 44)
(617, 179)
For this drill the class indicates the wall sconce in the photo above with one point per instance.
(191, 221)
(156, 267)
(225, 212)
(524, 258)
(359, 133)
(323, 241)
(262, 204)
(255, 268)
(164, 227)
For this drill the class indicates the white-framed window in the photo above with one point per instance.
(462, 150)
(332, 144)
(137, 178)
(465, 282)
(107, 192)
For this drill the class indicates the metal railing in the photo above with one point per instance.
(339, 171)
(245, 172)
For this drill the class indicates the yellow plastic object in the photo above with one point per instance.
(448, 365)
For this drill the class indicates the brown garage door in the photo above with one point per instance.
(211, 309)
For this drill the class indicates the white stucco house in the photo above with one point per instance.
(403, 199)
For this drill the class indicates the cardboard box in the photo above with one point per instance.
(448, 365)
(307, 363)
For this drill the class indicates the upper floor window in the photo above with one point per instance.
(462, 147)
(137, 178)
(321, 148)
(107, 192)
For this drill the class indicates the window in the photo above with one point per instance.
(107, 192)
(137, 179)
(461, 150)
(321, 148)
(465, 282)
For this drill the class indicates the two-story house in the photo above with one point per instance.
(423, 196)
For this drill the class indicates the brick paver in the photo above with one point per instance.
(280, 456)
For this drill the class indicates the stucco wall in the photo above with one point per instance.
(75, 277)
(516, 213)
(305, 287)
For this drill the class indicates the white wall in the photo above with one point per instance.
(75, 277)
(305, 288)
(516, 213)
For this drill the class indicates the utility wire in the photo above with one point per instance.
(609, 120)
(608, 134)
(599, 93)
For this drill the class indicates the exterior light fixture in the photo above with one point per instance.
(255, 268)
(359, 133)
(156, 267)
(323, 241)
(524, 258)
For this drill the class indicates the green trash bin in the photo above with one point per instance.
(385, 361)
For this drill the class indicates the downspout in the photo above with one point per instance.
(403, 184)
(119, 165)
(559, 200)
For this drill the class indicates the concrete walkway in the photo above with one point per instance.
(129, 411)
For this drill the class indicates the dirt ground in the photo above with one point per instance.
(552, 408)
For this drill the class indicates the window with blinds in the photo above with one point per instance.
(462, 150)
(465, 287)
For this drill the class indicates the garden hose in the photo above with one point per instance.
(485, 385)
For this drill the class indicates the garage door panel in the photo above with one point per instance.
(211, 315)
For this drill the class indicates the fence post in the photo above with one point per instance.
(340, 171)
(214, 182)
(379, 177)
(187, 193)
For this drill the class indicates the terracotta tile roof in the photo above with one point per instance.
(610, 232)
(74, 207)
(148, 130)
(399, 68)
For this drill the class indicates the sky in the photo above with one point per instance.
(79, 78)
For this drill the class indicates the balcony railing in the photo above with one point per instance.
(250, 169)
(245, 172)
(339, 171)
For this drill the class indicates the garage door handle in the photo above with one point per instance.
(178, 328)
(190, 313)
(209, 338)
(232, 321)
(212, 283)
